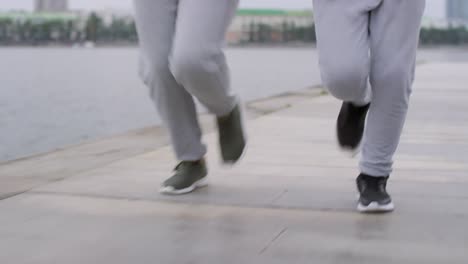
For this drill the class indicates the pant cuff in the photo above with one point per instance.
(375, 171)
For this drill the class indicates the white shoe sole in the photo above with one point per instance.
(172, 191)
(375, 207)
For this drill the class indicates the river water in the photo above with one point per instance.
(54, 97)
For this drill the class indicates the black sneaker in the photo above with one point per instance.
(188, 176)
(373, 194)
(231, 136)
(350, 125)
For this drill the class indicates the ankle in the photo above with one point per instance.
(364, 175)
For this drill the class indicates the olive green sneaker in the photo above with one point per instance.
(188, 176)
(231, 136)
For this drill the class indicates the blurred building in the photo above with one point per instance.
(449, 13)
(457, 10)
(51, 5)
(270, 24)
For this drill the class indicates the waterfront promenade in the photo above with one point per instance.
(291, 200)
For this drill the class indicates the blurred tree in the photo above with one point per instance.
(5, 29)
(94, 26)
(264, 33)
(252, 32)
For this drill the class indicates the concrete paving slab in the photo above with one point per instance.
(80, 229)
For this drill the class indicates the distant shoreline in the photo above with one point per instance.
(125, 45)
(252, 45)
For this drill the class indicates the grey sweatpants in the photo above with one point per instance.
(181, 58)
(367, 52)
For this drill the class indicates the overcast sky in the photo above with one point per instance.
(435, 8)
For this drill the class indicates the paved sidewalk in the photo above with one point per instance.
(291, 200)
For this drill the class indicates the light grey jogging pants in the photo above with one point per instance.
(367, 52)
(181, 58)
